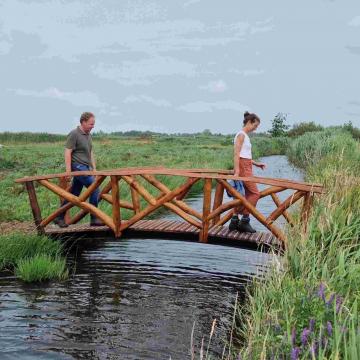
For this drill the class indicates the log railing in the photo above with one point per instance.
(214, 213)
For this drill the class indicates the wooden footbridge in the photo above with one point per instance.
(149, 184)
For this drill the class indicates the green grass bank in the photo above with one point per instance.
(307, 308)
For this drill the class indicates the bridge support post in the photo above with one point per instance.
(115, 204)
(203, 236)
(306, 209)
(35, 207)
(219, 195)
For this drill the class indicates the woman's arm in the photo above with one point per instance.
(259, 164)
(237, 147)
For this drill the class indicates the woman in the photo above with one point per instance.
(243, 167)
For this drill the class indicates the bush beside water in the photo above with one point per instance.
(32, 257)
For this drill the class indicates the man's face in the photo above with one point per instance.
(87, 126)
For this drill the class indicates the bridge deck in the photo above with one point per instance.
(164, 228)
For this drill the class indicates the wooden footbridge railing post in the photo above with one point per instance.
(35, 207)
(203, 236)
(116, 205)
(219, 195)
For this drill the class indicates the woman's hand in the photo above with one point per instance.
(262, 166)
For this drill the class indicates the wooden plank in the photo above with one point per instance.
(123, 204)
(35, 208)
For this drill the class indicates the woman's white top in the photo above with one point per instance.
(245, 151)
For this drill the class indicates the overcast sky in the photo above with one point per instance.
(177, 66)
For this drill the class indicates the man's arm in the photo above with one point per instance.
(93, 163)
(68, 160)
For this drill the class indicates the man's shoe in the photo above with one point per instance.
(234, 223)
(60, 222)
(244, 226)
(96, 222)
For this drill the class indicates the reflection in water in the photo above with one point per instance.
(128, 299)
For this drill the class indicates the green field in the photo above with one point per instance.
(19, 159)
(35, 154)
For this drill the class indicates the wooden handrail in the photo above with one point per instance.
(214, 212)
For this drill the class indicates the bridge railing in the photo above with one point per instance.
(214, 211)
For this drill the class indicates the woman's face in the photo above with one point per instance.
(253, 126)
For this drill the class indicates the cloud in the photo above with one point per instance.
(355, 22)
(218, 86)
(248, 72)
(202, 106)
(81, 98)
(354, 49)
(141, 72)
(148, 99)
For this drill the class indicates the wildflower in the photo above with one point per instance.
(329, 328)
(312, 324)
(304, 336)
(314, 348)
(339, 301)
(295, 352)
(321, 291)
(331, 299)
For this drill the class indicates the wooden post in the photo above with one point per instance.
(306, 209)
(34, 207)
(135, 199)
(65, 184)
(115, 205)
(219, 195)
(203, 236)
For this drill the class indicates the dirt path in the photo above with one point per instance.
(25, 227)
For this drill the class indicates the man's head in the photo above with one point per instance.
(87, 121)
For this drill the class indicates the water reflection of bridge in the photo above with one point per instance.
(145, 191)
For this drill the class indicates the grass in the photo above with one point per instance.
(36, 258)
(32, 257)
(18, 159)
(309, 310)
(40, 268)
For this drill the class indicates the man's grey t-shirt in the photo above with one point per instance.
(81, 144)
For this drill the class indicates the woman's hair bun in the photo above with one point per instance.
(246, 113)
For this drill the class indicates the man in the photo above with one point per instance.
(79, 156)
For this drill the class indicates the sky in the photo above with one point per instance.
(177, 66)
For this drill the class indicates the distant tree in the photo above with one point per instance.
(278, 126)
(355, 132)
(304, 127)
(206, 132)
